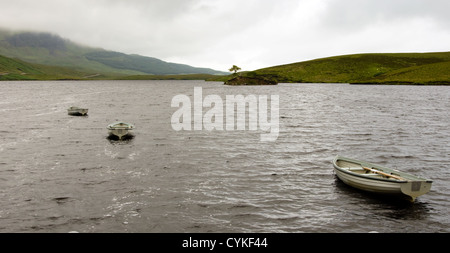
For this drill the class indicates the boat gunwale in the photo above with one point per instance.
(74, 108)
(417, 179)
(127, 127)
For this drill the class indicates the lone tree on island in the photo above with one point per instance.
(235, 69)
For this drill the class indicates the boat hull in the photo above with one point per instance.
(120, 130)
(119, 133)
(77, 111)
(369, 184)
(406, 185)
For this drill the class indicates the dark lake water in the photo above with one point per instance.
(60, 173)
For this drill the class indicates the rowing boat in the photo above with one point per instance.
(77, 111)
(375, 178)
(120, 129)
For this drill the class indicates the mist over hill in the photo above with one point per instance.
(37, 40)
(51, 49)
(15, 69)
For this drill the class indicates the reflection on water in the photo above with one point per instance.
(125, 139)
(391, 207)
(60, 173)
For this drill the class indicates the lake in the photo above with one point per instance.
(60, 173)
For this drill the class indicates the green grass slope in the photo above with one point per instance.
(435, 73)
(14, 69)
(402, 68)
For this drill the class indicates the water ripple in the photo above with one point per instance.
(63, 174)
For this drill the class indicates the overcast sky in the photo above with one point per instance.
(249, 33)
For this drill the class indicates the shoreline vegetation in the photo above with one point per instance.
(236, 79)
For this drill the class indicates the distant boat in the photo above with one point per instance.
(77, 111)
(120, 129)
(375, 178)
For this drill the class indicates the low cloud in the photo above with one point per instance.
(252, 34)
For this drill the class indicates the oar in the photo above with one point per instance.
(384, 174)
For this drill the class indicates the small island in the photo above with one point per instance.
(245, 80)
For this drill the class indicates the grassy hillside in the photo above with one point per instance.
(404, 68)
(436, 73)
(14, 69)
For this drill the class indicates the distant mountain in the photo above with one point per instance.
(397, 68)
(50, 49)
(15, 69)
(147, 65)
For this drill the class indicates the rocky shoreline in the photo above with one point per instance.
(244, 80)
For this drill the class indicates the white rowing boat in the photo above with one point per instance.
(375, 178)
(120, 129)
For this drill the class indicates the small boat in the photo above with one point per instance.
(120, 129)
(375, 178)
(77, 111)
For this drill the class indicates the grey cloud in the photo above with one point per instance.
(353, 15)
(251, 33)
